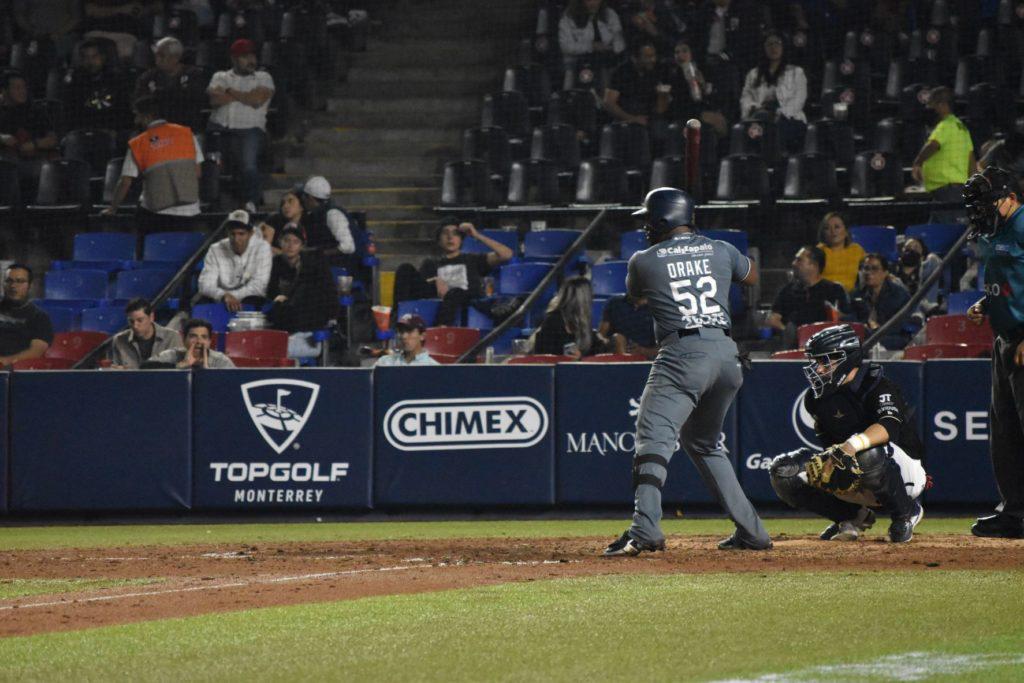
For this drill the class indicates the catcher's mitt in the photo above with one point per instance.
(834, 471)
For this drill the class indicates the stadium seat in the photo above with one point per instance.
(145, 283)
(509, 238)
(43, 364)
(171, 247)
(246, 362)
(540, 359)
(876, 239)
(956, 329)
(631, 242)
(446, 344)
(76, 285)
(257, 344)
(958, 302)
(215, 313)
(558, 143)
(63, 317)
(932, 351)
(792, 354)
(106, 251)
(10, 187)
(575, 108)
(876, 174)
(424, 308)
(609, 278)
(754, 137)
(466, 183)
(95, 147)
(533, 182)
(810, 176)
(533, 81)
(509, 110)
(831, 138)
(74, 346)
(737, 238)
(887, 136)
(63, 186)
(615, 358)
(490, 145)
(668, 171)
(742, 177)
(805, 332)
(601, 181)
(628, 142)
(548, 245)
(937, 237)
(522, 278)
(478, 320)
(105, 319)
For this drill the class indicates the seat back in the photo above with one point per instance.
(106, 319)
(95, 147)
(171, 247)
(810, 176)
(63, 318)
(450, 342)
(668, 172)
(876, 174)
(490, 145)
(932, 351)
(533, 182)
(145, 283)
(522, 278)
(539, 359)
(548, 245)
(74, 346)
(742, 177)
(957, 303)
(424, 308)
(631, 242)
(257, 344)
(601, 181)
(530, 79)
(245, 362)
(628, 142)
(737, 238)
(887, 136)
(215, 313)
(876, 239)
(64, 183)
(957, 329)
(575, 108)
(466, 183)
(755, 137)
(834, 139)
(509, 110)
(76, 284)
(558, 143)
(509, 238)
(104, 246)
(937, 237)
(609, 278)
(43, 364)
(10, 185)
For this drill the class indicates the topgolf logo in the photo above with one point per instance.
(278, 420)
(465, 423)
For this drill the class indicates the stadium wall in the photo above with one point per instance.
(450, 437)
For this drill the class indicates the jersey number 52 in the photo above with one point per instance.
(688, 300)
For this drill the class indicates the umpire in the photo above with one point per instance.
(696, 374)
(993, 201)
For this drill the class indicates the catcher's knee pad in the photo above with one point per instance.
(644, 468)
(874, 463)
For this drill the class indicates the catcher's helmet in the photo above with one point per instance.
(833, 353)
(665, 208)
(981, 192)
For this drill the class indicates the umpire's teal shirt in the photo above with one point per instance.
(1003, 255)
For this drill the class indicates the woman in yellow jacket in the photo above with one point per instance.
(842, 255)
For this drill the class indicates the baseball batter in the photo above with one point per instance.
(685, 278)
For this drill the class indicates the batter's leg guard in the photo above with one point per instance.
(883, 479)
(795, 492)
(645, 471)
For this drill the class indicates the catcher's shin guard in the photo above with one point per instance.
(795, 492)
(645, 471)
(883, 479)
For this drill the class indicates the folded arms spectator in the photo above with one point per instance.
(842, 254)
(143, 339)
(410, 328)
(25, 330)
(198, 352)
(776, 90)
(236, 270)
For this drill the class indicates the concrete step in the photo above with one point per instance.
(342, 135)
(355, 144)
(397, 212)
(286, 180)
(434, 107)
(369, 71)
(375, 166)
(401, 230)
(389, 90)
(365, 198)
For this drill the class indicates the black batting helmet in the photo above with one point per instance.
(833, 353)
(665, 208)
(981, 192)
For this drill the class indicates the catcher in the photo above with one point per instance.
(875, 462)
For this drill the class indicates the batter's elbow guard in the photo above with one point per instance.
(642, 466)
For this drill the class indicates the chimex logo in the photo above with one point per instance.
(803, 422)
(280, 408)
(465, 423)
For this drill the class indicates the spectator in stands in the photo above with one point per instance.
(328, 227)
(590, 30)
(842, 254)
(198, 352)
(179, 89)
(168, 158)
(690, 95)
(634, 94)
(808, 297)
(916, 265)
(120, 21)
(652, 20)
(303, 295)
(289, 214)
(411, 330)
(567, 329)
(96, 93)
(628, 326)
(143, 339)
(455, 277)
(880, 296)
(726, 32)
(26, 133)
(776, 90)
(237, 269)
(240, 98)
(947, 157)
(25, 329)
(53, 20)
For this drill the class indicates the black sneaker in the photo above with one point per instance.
(902, 528)
(627, 546)
(736, 542)
(998, 526)
(850, 530)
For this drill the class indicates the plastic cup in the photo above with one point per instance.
(382, 317)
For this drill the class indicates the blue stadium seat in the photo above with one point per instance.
(106, 319)
(938, 237)
(81, 285)
(216, 314)
(609, 278)
(548, 245)
(632, 242)
(959, 302)
(509, 238)
(521, 278)
(737, 238)
(145, 283)
(480, 321)
(107, 251)
(424, 308)
(171, 247)
(878, 239)
(63, 317)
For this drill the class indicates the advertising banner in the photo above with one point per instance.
(84, 441)
(458, 435)
(596, 438)
(283, 438)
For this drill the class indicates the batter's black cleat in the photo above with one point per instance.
(850, 530)
(627, 546)
(998, 526)
(902, 528)
(737, 542)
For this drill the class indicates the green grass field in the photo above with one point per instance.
(780, 626)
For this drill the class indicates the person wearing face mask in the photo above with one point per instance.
(879, 297)
(947, 157)
(916, 265)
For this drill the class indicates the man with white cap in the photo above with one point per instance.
(236, 270)
(328, 227)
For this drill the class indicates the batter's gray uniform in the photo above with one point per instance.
(694, 378)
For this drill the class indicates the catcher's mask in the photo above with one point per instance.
(981, 192)
(833, 353)
(665, 208)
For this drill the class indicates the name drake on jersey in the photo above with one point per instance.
(694, 289)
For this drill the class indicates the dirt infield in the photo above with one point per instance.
(200, 579)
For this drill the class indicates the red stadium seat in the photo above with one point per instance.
(615, 358)
(957, 329)
(931, 351)
(257, 344)
(792, 354)
(540, 359)
(43, 364)
(244, 362)
(74, 346)
(805, 332)
(442, 342)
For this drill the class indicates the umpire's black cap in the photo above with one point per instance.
(666, 208)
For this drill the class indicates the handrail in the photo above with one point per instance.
(525, 306)
(184, 271)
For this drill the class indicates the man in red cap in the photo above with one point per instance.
(240, 98)
(411, 330)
